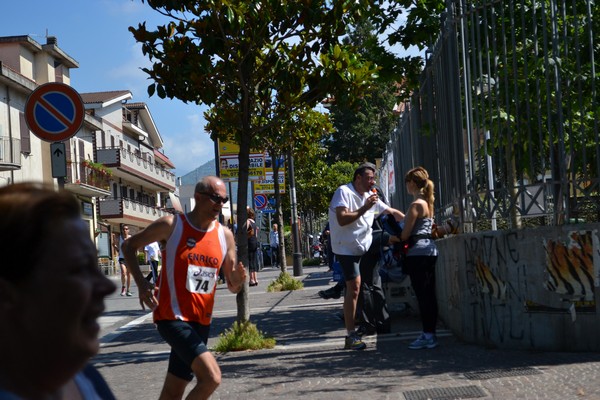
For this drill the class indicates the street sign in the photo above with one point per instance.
(59, 160)
(54, 112)
(260, 201)
(269, 211)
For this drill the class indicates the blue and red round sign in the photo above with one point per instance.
(54, 112)
(260, 201)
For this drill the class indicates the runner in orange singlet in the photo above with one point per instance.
(195, 247)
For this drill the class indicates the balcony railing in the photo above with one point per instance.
(127, 209)
(86, 179)
(133, 167)
(10, 154)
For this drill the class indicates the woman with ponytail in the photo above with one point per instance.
(422, 253)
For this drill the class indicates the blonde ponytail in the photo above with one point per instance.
(420, 176)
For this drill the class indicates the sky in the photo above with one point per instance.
(95, 34)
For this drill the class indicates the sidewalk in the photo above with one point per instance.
(309, 361)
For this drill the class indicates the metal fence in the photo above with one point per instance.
(506, 117)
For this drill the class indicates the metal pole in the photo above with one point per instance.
(297, 257)
(218, 173)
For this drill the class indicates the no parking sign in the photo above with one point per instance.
(54, 112)
(260, 201)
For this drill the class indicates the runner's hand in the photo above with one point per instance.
(147, 297)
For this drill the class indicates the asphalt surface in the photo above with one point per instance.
(309, 362)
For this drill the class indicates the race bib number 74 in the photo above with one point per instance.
(201, 280)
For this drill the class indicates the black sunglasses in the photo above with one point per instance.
(215, 198)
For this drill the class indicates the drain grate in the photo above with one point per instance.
(451, 393)
(501, 373)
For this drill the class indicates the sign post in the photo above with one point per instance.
(54, 112)
(59, 160)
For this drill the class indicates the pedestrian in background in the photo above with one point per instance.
(252, 232)
(274, 243)
(51, 296)
(422, 253)
(196, 247)
(326, 240)
(152, 252)
(351, 214)
(125, 273)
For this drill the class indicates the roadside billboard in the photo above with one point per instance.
(229, 162)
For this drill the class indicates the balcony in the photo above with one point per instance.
(87, 179)
(129, 211)
(10, 154)
(136, 169)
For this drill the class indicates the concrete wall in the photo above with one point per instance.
(523, 289)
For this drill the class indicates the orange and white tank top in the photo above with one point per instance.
(188, 278)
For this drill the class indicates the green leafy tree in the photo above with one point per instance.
(409, 24)
(363, 129)
(300, 136)
(238, 57)
(317, 180)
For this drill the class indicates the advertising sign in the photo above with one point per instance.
(229, 163)
(267, 185)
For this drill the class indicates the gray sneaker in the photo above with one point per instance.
(353, 342)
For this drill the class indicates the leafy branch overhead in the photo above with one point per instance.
(256, 65)
(240, 55)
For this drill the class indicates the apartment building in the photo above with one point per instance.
(128, 145)
(114, 163)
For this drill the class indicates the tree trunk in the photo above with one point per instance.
(243, 309)
(279, 212)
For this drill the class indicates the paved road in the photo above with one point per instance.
(309, 363)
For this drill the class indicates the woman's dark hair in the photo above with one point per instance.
(28, 213)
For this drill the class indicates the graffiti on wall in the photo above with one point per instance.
(488, 258)
(570, 266)
(501, 252)
(512, 276)
(488, 282)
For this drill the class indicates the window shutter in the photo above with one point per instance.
(25, 135)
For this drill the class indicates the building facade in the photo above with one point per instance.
(115, 165)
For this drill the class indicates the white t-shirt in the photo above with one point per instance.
(353, 239)
(153, 251)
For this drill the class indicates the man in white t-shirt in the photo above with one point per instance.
(152, 252)
(351, 213)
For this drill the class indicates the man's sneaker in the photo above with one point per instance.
(353, 342)
(129, 294)
(123, 291)
(423, 343)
